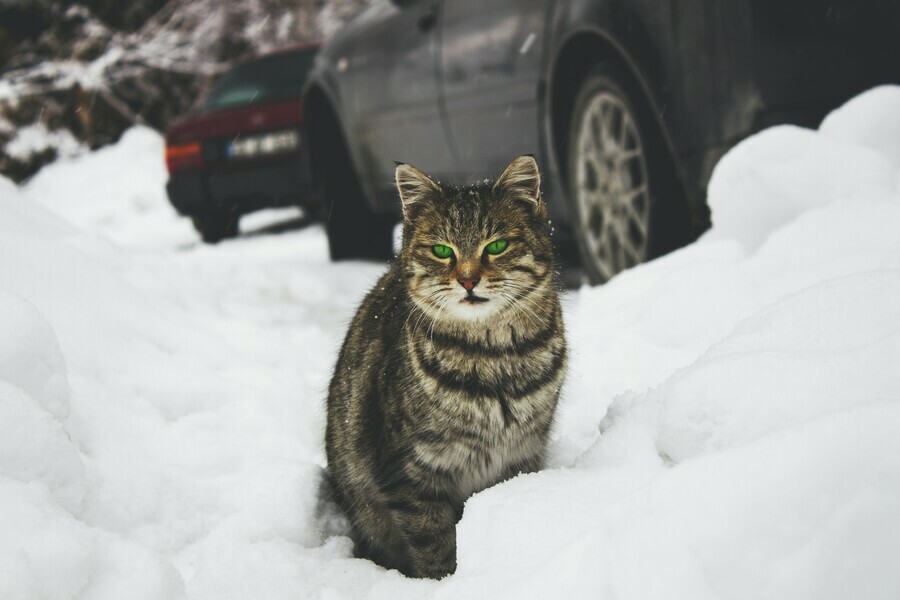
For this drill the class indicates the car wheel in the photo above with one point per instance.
(354, 230)
(612, 177)
(215, 226)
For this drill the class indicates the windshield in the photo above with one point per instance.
(276, 77)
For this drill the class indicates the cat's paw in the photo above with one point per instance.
(433, 569)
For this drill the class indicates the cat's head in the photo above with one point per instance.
(474, 253)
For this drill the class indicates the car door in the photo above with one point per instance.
(392, 93)
(490, 58)
(810, 56)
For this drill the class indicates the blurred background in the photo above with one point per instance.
(76, 75)
(628, 105)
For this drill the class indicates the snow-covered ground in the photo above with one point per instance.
(729, 428)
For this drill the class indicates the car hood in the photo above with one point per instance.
(234, 121)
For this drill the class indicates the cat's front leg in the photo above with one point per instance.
(532, 464)
(428, 520)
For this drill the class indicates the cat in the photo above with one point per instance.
(449, 375)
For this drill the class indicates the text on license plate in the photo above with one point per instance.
(260, 145)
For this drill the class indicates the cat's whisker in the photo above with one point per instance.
(521, 292)
(538, 310)
(520, 309)
(533, 317)
(434, 320)
(431, 300)
(421, 312)
(526, 291)
(419, 321)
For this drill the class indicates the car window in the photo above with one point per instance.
(276, 77)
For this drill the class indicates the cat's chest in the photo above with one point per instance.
(480, 419)
(484, 384)
(470, 467)
(480, 411)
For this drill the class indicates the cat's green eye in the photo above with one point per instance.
(442, 251)
(497, 246)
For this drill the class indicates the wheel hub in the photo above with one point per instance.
(612, 195)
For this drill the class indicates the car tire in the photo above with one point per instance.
(354, 230)
(215, 226)
(616, 169)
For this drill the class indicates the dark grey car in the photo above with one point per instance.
(627, 104)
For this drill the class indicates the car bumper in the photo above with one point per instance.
(243, 188)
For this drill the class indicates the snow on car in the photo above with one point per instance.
(728, 429)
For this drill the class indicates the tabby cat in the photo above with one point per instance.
(450, 373)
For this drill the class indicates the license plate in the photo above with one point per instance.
(263, 145)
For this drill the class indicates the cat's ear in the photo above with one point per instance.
(521, 180)
(414, 186)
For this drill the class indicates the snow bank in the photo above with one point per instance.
(36, 138)
(118, 191)
(868, 120)
(777, 175)
(728, 428)
(160, 414)
(748, 451)
(30, 357)
(48, 548)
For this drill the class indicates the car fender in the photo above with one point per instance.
(325, 80)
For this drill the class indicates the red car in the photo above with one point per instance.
(244, 147)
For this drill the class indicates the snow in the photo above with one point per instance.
(36, 138)
(117, 191)
(861, 121)
(728, 428)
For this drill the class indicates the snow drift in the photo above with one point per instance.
(728, 430)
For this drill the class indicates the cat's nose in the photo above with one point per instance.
(468, 282)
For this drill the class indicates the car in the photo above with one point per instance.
(626, 104)
(244, 148)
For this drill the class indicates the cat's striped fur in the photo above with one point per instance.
(437, 395)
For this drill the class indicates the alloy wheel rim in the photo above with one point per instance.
(612, 190)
